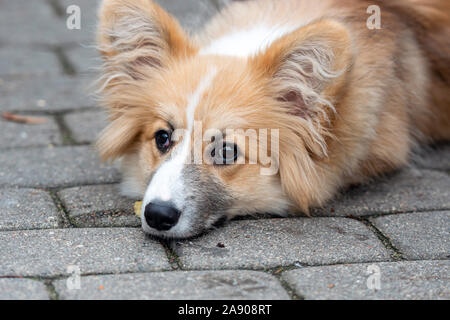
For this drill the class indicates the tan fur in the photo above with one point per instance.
(350, 103)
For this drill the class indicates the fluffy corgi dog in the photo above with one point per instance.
(273, 107)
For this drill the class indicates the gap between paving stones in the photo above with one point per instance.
(49, 113)
(62, 210)
(394, 213)
(271, 271)
(66, 133)
(66, 222)
(64, 130)
(51, 290)
(57, 8)
(395, 253)
(219, 4)
(48, 284)
(277, 272)
(61, 207)
(53, 293)
(66, 65)
(173, 260)
(173, 257)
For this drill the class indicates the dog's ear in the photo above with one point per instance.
(118, 137)
(135, 38)
(306, 71)
(136, 34)
(307, 66)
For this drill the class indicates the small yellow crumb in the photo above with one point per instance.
(137, 208)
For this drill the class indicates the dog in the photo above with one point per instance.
(326, 100)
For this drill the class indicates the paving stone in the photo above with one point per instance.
(20, 61)
(27, 209)
(405, 191)
(56, 93)
(99, 206)
(222, 3)
(435, 158)
(85, 126)
(86, 35)
(54, 167)
(269, 243)
(85, 59)
(29, 135)
(36, 22)
(29, 22)
(106, 250)
(424, 235)
(177, 285)
(408, 280)
(22, 289)
(192, 14)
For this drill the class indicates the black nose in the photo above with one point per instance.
(161, 216)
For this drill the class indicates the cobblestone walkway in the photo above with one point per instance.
(60, 209)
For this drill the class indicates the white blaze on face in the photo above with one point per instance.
(167, 182)
(245, 43)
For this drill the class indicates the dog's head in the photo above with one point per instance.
(206, 137)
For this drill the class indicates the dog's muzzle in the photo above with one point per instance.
(161, 216)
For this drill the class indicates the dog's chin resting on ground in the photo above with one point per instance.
(272, 107)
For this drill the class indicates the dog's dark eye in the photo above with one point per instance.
(228, 154)
(162, 139)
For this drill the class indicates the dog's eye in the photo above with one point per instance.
(228, 154)
(162, 139)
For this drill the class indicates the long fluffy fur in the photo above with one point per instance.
(350, 102)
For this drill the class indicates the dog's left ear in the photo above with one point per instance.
(306, 67)
(135, 34)
(305, 71)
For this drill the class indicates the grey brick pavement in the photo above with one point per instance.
(55, 94)
(424, 235)
(22, 289)
(84, 59)
(60, 207)
(195, 285)
(397, 280)
(53, 167)
(27, 209)
(33, 22)
(85, 126)
(86, 35)
(405, 191)
(31, 135)
(269, 243)
(99, 206)
(18, 60)
(48, 253)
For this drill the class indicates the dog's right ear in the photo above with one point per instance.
(118, 137)
(135, 38)
(136, 34)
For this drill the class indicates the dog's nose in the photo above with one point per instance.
(161, 216)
